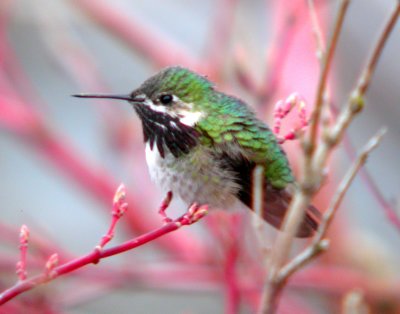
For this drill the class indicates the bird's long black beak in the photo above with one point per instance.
(108, 96)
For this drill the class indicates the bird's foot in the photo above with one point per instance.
(163, 207)
(195, 213)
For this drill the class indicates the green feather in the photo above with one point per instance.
(229, 122)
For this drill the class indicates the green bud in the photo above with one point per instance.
(356, 102)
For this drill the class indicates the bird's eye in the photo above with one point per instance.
(166, 99)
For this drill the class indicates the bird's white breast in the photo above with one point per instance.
(155, 163)
(194, 177)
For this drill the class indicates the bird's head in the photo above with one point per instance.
(173, 94)
(170, 105)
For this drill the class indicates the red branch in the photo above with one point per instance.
(119, 207)
(23, 247)
(194, 214)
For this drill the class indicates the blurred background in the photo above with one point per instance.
(62, 158)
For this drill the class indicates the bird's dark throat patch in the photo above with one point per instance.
(164, 130)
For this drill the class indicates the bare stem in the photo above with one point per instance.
(319, 39)
(365, 79)
(319, 244)
(119, 207)
(53, 271)
(325, 71)
(314, 165)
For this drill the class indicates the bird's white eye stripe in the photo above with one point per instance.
(149, 103)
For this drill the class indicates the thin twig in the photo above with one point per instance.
(324, 74)
(365, 79)
(315, 161)
(316, 28)
(389, 210)
(319, 244)
(257, 206)
(232, 287)
(194, 214)
(320, 54)
(119, 207)
(308, 186)
(362, 87)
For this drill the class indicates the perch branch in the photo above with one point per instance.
(53, 270)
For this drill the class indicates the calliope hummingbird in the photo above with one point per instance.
(203, 145)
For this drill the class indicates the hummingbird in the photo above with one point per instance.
(203, 146)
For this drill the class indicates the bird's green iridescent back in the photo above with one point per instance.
(232, 126)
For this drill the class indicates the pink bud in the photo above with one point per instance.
(119, 202)
(51, 263)
(120, 194)
(24, 234)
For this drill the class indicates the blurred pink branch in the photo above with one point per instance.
(221, 31)
(285, 27)
(232, 294)
(137, 35)
(232, 251)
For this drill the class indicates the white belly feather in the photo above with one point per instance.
(194, 177)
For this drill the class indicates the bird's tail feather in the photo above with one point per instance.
(276, 203)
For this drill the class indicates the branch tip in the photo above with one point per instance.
(50, 266)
